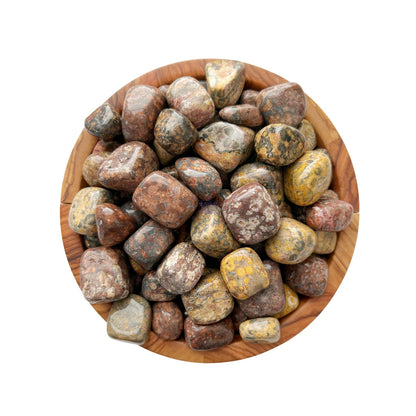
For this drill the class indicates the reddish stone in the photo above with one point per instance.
(164, 89)
(329, 215)
(248, 97)
(242, 114)
(105, 147)
(152, 290)
(237, 316)
(167, 320)
(104, 123)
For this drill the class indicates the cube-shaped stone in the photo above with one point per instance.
(167, 320)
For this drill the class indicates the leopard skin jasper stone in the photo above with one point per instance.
(209, 301)
(244, 273)
(142, 105)
(250, 134)
(105, 147)
(326, 241)
(103, 275)
(90, 168)
(306, 128)
(81, 218)
(127, 166)
(292, 302)
(165, 199)
(308, 278)
(199, 176)
(237, 316)
(224, 145)
(210, 234)
(248, 97)
(268, 301)
(329, 215)
(305, 180)
(242, 114)
(164, 157)
(279, 144)
(225, 81)
(208, 337)
(251, 214)
(139, 270)
(164, 89)
(113, 224)
(104, 123)
(148, 244)
(130, 319)
(285, 210)
(167, 320)
(152, 290)
(174, 132)
(171, 170)
(268, 176)
(191, 99)
(91, 241)
(221, 197)
(328, 194)
(293, 243)
(131, 210)
(282, 103)
(264, 330)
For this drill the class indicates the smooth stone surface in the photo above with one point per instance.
(191, 99)
(249, 97)
(81, 218)
(90, 168)
(260, 330)
(209, 301)
(279, 144)
(148, 244)
(165, 199)
(131, 210)
(244, 273)
(328, 194)
(242, 114)
(237, 316)
(137, 268)
(127, 166)
(285, 210)
(164, 89)
(225, 81)
(251, 214)
(249, 139)
(152, 290)
(208, 337)
(164, 157)
(91, 241)
(329, 215)
(104, 123)
(167, 320)
(103, 276)
(171, 170)
(130, 320)
(199, 176)
(292, 302)
(326, 241)
(105, 147)
(142, 105)
(306, 128)
(293, 243)
(282, 103)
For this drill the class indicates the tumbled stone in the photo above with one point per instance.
(142, 105)
(221, 197)
(225, 81)
(249, 97)
(285, 210)
(167, 320)
(164, 89)
(282, 103)
(208, 337)
(138, 269)
(249, 139)
(191, 99)
(149, 243)
(242, 114)
(130, 320)
(171, 170)
(222, 144)
(90, 168)
(251, 214)
(209, 301)
(268, 301)
(329, 215)
(127, 166)
(165, 199)
(326, 241)
(210, 234)
(279, 144)
(104, 123)
(199, 176)
(164, 157)
(293, 243)
(103, 275)
(328, 194)
(203, 83)
(181, 268)
(306, 128)
(260, 330)
(305, 180)
(244, 273)
(152, 290)
(308, 278)
(103, 147)
(81, 217)
(237, 316)
(291, 303)
(130, 209)
(91, 241)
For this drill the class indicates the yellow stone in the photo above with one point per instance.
(292, 302)
(260, 330)
(326, 242)
(306, 128)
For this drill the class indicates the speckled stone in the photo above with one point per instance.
(164, 157)
(208, 337)
(167, 320)
(105, 147)
(131, 210)
(268, 301)
(127, 166)
(329, 215)
(137, 268)
(279, 144)
(171, 170)
(149, 243)
(81, 218)
(242, 114)
(293, 243)
(326, 241)
(282, 103)
(164, 89)
(308, 278)
(209, 301)
(90, 168)
(306, 128)
(328, 194)
(104, 123)
(103, 275)
(225, 81)
(248, 97)
(251, 214)
(221, 197)
(191, 99)
(260, 330)
(237, 316)
(142, 105)
(181, 268)
(130, 320)
(285, 210)
(249, 139)
(152, 290)
(91, 241)
(305, 180)
(244, 273)
(199, 176)
(291, 303)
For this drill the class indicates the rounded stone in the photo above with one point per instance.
(306, 128)
(237, 316)
(260, 330)
(249, 97)
(285, 210)
(91, 241)
(291, 303)
(131, 210)
(164, 89)
(91, 166)
(326, 241)
(221, 197)
(164, 157)
(104, 123)
(152, 290)
(242, 114)
(171, 170)
(329, 215)
(167, 320)
(103, 147)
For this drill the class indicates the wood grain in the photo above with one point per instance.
(344, 183)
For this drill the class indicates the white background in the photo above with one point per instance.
(60, 60)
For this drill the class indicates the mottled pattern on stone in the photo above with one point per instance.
(260, 330)
(104, 123)
(105, 147)
(292, 302)
(90, 168)
(167, 320)
(328, 194)
(152, 290)
(248, 97)
(164, 157)
(285, 210)
(329, 215)
(237, 316)
(91, 241)
(164, 89)
(249, 138)
(171, 170)
(306, 128)
(138, 269)
(221, 197)
(242, 114)
(130, 209)
(326, 241)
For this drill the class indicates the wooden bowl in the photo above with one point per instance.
(344, 183)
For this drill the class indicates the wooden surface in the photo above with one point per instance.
(344, 183)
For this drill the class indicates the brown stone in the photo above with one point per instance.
(104, 123)
(130, 209)
(167, 320)
(248, 97)
(242, 114)
(105, 147)
(237, 316)
(152, 290)
(91, 166)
